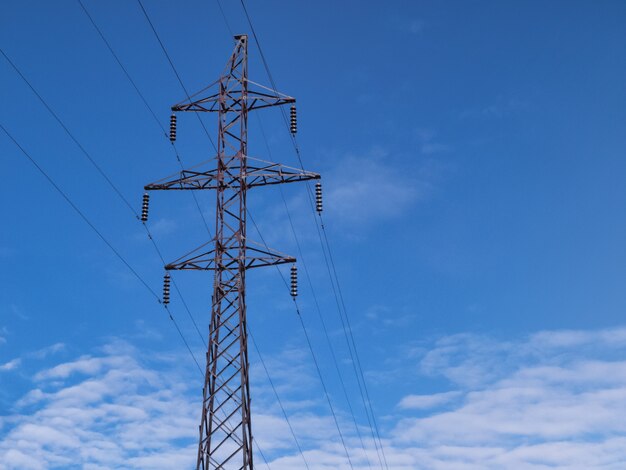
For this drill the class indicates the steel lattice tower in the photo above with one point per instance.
(226, 428)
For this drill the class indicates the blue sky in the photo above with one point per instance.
(472, 155)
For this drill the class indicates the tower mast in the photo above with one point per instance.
(225, 440)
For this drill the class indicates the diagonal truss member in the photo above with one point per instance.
(225, 428)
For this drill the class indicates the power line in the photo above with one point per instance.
(110, 183)
(332, 262)
(262, 455)
(169, 59)
(158, 251)
(313, 355)
(67, 131)
(158, 122)
(280, 403)
(119, 62)
(219, 4)
(317, 306)
(85, 219)
(319, 371)
(87, 155)
(350, 336)
(143, 99)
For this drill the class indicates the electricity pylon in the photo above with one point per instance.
(225, 427)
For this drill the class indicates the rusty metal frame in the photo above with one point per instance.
(225, 440)
(269, 173)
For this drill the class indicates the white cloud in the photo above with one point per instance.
(83, 365)
(429, 145)
(14, 364)
(431, 148)
(47, 351)
(500, 109)
(418, 402)
(105, 411)
(11, 365)
(551, 400)
(370, 187)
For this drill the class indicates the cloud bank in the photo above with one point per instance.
(551, 400)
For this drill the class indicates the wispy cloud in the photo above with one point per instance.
(419, 402)
(13, 310)
(430, 144)
(527, 403)
(364, 188)
(11, 365)
(554, 399)
(105, 411)
(501, 108)
(47, 351)
(413, 26)
(431, 148)
(14, 364)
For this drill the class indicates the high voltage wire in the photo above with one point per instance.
(350, 336)
(219, 4)
(280, 403)
(169, 59)
(366, 402)
(107, 179)
(357, 363)
(119, 62)
(101, 236)
(87, 155)
(119, 194)
(142, 97)
(319, 372)
(332, 262)
(67, 131)
(317, 306)
(306, 334)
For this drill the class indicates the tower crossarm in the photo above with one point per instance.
(203, 259)
(258, 97)
(268, 173)
(260, 173)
